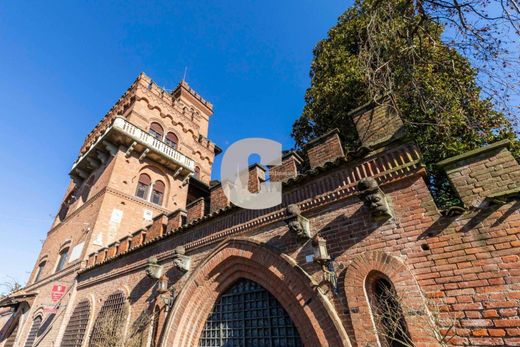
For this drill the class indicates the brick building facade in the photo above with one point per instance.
(146, 251)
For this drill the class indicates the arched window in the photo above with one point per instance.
(156, 130)
(75, 331)
(33, 333)
(171, 140)
(248, 315)
(109, 327)
(62, 259)
(143, 186)
(39, 272)
(196, 174)
(387, 312)
(9, 342)
(157, 192)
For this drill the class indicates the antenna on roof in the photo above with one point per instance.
(185, 73)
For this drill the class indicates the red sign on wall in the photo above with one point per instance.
(57, 292)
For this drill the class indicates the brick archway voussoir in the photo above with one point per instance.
(242, 258)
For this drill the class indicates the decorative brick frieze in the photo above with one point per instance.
(385, 167)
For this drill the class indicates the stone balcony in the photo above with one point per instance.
(133, 139)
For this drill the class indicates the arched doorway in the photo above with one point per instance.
(248, 315)
(239, 258)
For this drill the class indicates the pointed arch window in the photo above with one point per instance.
(248, 315)
(387, 312)
(157, 192)
(77, 325)
(33, 333)
(156, 130)
(143, 186)
(109, 327)
(171, 140)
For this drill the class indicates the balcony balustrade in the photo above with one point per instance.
(123, 133)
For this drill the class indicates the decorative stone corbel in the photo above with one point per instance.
(181, 260)
(297, 223)
(374, 199)
(157, 272)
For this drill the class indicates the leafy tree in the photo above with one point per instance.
(396, 48)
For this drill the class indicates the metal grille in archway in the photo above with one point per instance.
(75, 331)
(248, 315)
(37, 322)
(109, 325)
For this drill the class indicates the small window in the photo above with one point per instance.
(387, 312)
(39, 271)
(196, 174)
(33, 333)
(157, 192)
(171, 140)
(64, 255)
(156, 130)
(143, 186)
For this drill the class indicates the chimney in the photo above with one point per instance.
(488, 172)
(291, 162)
(377, 124)
(325, 148)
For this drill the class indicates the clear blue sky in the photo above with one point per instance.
(64, 63)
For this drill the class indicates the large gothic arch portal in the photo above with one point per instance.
(237, 260)
(247, 315)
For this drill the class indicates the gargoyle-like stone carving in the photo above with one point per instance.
(153, 269)
(181, 260)
(297, 223)
(373, 198)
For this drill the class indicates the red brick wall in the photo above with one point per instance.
(377, 124)
(323, 149)
(482, 173)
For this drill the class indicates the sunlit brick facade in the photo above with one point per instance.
(175, 263)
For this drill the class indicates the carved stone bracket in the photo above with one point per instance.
(297, 223)
(181, 260)
(374, 199)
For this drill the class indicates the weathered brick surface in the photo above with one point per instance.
(465, 269)
(377, 124)
(291, 162)
(483, 173)
(324, 149)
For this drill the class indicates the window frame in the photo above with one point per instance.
(155, 191)
(154, 133)
(39, 271)
(59, 265)
(140, 184)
